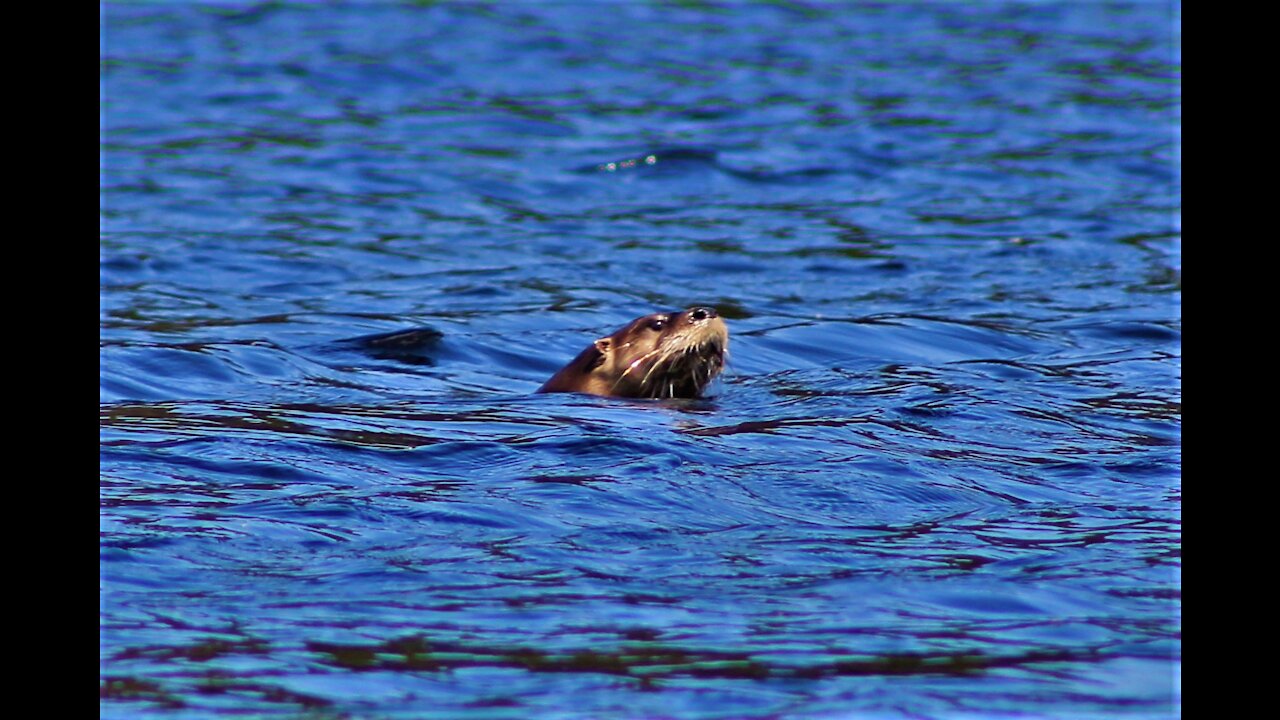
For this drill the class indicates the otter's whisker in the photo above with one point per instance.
(633, 366)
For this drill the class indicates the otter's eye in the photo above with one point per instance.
(658, 323)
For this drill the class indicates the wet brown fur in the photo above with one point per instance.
(664, 355)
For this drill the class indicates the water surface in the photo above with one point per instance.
(940, 477)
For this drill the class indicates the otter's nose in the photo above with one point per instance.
(701, 313)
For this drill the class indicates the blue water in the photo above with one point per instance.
(939, 478)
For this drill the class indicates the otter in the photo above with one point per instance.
(664, 355)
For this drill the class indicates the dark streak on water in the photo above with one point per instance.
(940, 478)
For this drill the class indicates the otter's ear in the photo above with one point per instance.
(598, 352)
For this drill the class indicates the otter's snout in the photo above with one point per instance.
(702, 313)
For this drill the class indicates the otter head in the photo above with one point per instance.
(664, 355)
